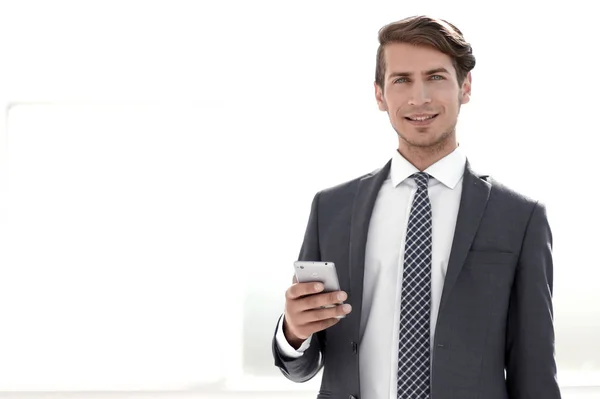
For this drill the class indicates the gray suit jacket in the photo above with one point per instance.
(496, 311)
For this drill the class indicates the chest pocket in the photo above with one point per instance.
(495, 268)
(487, 259)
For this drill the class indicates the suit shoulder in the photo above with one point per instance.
(508, 193)
(348, 185)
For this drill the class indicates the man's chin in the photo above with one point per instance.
(424, 140)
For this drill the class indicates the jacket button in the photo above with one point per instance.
(352, 397)
(354, 347)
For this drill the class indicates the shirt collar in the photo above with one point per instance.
(447, 170)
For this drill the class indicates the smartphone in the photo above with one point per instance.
(324, 272)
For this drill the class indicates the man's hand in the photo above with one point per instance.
(304, 312)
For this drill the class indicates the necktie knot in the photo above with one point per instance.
(422, 180)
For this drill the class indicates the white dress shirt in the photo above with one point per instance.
(384, 261)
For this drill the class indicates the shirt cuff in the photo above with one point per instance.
(284, 346)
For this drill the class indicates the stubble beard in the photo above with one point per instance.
(430, 148)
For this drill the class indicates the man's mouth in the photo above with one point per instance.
(420, 118)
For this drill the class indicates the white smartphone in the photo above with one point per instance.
(324, 272)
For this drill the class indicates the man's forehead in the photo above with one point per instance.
(418, 63)
(403, 53)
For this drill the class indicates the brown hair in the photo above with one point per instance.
(426, 31)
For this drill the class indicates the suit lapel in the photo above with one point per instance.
(364, 201)
(475, 194)
(474, 197)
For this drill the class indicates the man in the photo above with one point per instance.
(447, 273)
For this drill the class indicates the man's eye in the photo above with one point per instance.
(399, 79)
(437, 76)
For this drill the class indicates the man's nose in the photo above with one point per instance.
(419, 95)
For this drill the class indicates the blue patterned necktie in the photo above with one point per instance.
(414, 345)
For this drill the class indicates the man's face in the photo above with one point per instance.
(420, 82)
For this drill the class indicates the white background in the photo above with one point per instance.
(158, 160)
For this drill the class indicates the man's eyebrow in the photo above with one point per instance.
(429, 72)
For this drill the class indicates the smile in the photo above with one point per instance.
(421, 120)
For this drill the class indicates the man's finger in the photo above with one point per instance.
(294, 280)
(302, 289)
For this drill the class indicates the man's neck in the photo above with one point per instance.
(424, 157)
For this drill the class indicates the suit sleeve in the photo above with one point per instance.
(529, 357)
(305, 367)
(284, 347)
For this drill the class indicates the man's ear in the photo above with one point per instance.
(466, 90)
(379, 98)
